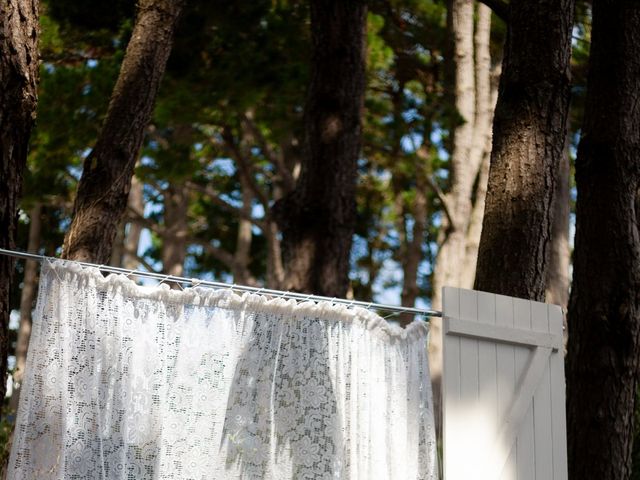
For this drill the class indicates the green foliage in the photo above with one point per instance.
(6, 433)
(250, 60)
(233, 95)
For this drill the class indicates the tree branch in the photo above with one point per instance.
(441, 196)
(272, 156)
(245, 167)
(217, 253)
(213, 195)
(139, 259)
(499, 7)
(137, 217)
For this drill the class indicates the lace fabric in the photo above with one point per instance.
(131, 382)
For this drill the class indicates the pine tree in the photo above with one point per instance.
(603, 361)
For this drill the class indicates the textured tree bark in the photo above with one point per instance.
(603, 362)
(529, 131)
(106, 177)
(19, 34)
(317, 219)
(27, 297)
(117, 249)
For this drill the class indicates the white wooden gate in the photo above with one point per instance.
(503, 388)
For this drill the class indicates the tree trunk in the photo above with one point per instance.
(455, 262)
(480, 154)
(529, 132)
(117, 250)
(603, 362)
(413, 250)
(447, 270)
(27, 297)
(275, 267)
(557, 291)
(176, 229)
(135, 203)
(559, 258)
(19, 33)
(242, 255)
(317, 219)
(106, 177)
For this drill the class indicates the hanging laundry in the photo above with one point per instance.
(131, 382)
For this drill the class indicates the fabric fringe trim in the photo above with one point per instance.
(227, 298)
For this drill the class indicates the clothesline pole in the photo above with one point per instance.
(243, 288)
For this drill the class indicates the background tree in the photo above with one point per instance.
(226, 140)
(472, 92)
(529, 133)
(604, 317)
(27, 297)
(19, 33)
(317, 219)
(470, 135)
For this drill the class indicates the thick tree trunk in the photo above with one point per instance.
(27, 297)
(603, 362)
(529, 130)
(19, 33)
(317, 219)
(106, 178)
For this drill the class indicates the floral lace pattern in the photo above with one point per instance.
(128, 382)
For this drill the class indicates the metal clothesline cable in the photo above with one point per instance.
(242, 288)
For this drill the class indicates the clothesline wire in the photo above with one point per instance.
(221, 285)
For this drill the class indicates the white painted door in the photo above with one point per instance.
(503, 388)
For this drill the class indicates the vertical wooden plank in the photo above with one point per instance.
(487, 366)
(506, 377)
(558, 411)
(488, 379)
(469, 421)
(468, 352)
(450, 381)
(525, 440)
(543, 441)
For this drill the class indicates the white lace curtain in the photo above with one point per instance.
(131, 382)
